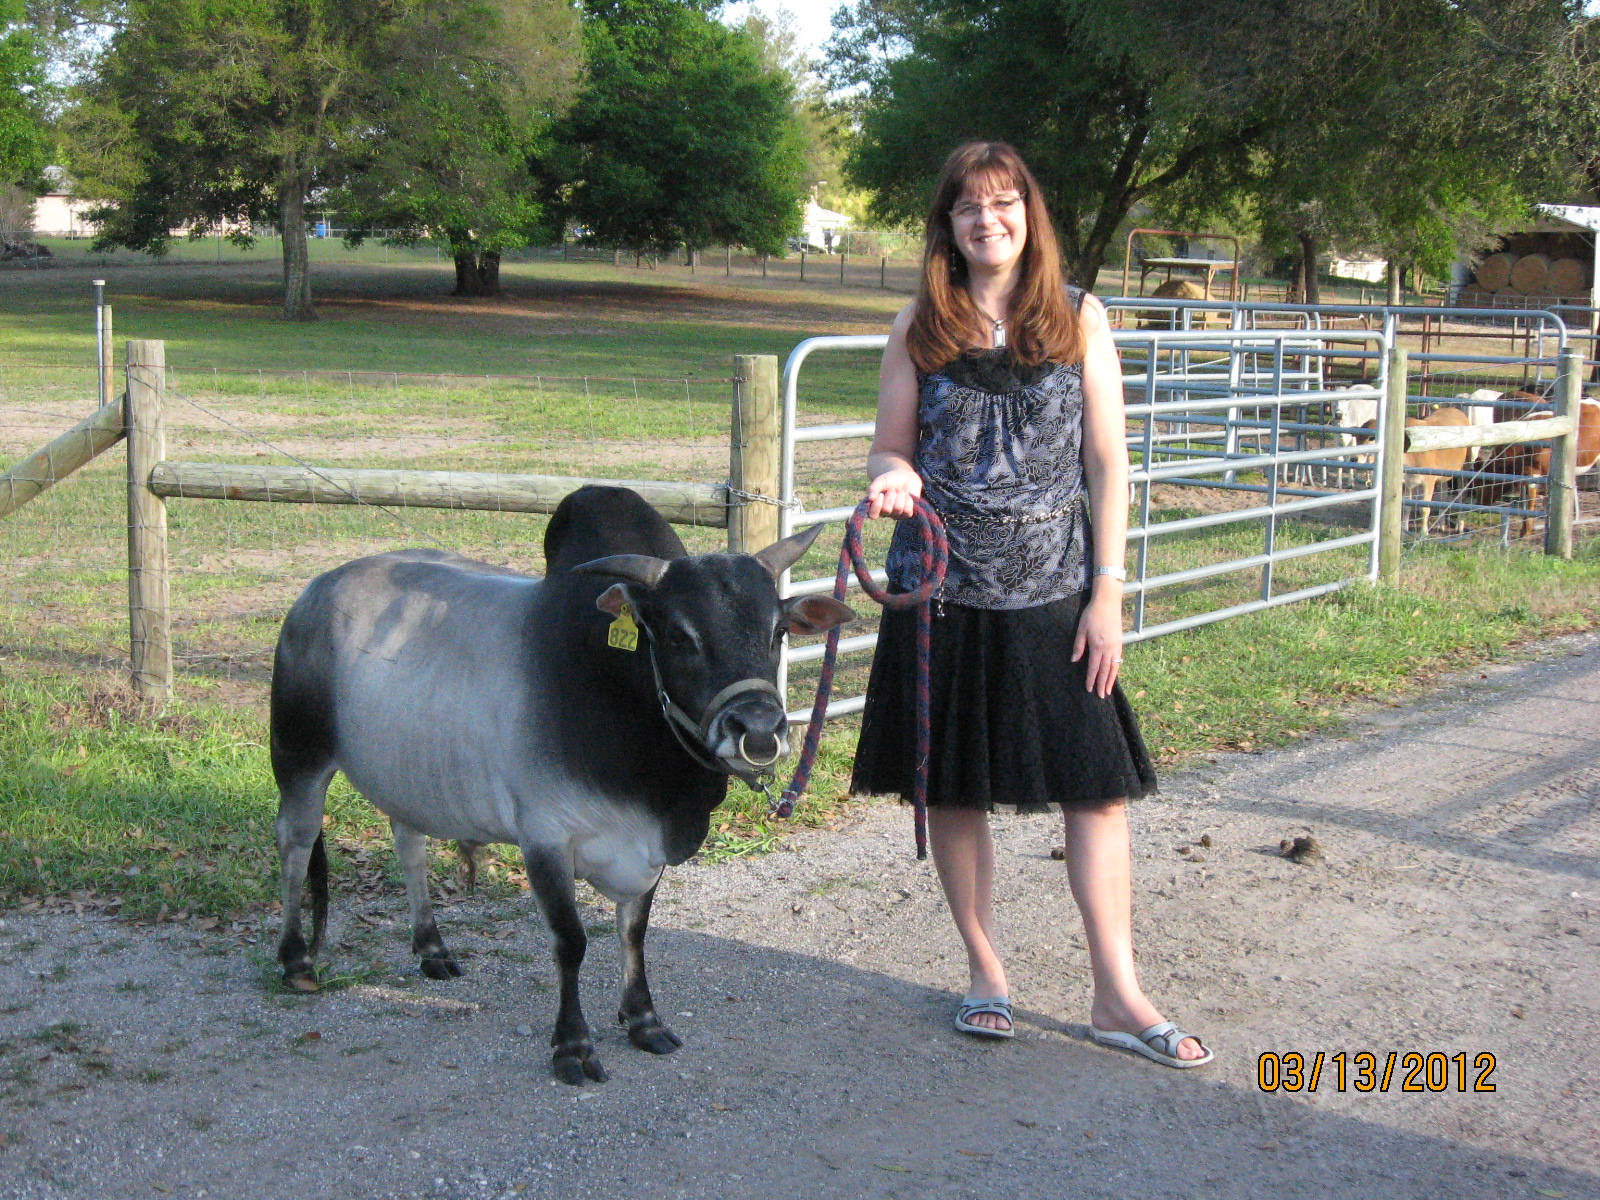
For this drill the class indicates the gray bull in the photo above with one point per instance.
(470, 702)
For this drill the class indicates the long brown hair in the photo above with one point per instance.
(1041, 323)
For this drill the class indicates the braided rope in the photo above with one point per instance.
(935, 558)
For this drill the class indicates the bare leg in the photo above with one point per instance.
(1100, 868)
(963, 853)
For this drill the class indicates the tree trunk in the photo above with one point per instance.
(477, 271)
(1393, 276)
(296, 257)
(1312, 290)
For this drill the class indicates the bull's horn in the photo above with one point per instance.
(640, 568)
(780, 556)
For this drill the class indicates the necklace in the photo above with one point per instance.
(997, 326)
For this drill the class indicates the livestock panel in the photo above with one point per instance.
(1214, 534)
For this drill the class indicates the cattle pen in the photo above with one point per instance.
(1244, 496)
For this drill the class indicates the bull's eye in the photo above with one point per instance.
(682, 639)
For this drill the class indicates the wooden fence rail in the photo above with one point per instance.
(735, 505)
(681, 503)
(53, 462)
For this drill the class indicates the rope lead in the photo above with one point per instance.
(935, 559)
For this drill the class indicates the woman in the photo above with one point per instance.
(1000, 403)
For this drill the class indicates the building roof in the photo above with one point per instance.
(1578, 216)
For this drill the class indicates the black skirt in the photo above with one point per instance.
(1012, 723)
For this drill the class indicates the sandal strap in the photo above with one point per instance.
(997, 1005)
(1167, 1037)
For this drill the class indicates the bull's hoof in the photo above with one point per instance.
(440, 965)
(302, 977)
(654, 1037)
(577, 1063)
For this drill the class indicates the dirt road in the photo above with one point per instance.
(1454, 913)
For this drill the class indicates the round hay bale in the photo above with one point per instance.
(1166, 318)
(1180, 289)
(1567, 277)
(1528, 274)
(1494, 273)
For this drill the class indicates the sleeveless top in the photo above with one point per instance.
(998, 449)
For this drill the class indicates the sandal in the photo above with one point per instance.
(1159, 1043)
(999, 1006)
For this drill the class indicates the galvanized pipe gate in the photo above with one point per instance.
(1232, 409)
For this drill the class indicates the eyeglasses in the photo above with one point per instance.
(1002, 206)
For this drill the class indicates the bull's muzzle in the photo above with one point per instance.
(745, 726)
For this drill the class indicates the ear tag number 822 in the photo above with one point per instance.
(624, 632)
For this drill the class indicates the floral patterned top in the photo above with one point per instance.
(998, 449)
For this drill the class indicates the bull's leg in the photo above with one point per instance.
(411, 847)
(302, 793)
(550, 877)
(645, 1029)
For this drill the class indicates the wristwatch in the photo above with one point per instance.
(1118, 573)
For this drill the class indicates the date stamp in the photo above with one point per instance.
(1366, 1071)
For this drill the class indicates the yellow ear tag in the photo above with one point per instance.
(624, 633)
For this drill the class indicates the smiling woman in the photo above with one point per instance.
(1000, 405)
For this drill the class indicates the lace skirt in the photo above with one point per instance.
(1012, 722)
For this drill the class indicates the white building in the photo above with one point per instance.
(820, 227)
(58, 213)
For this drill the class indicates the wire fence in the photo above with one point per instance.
(235, 567)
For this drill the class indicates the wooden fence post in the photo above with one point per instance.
(108, 368)
(754, 454)
(1562, 495)
(1391, 470)
(150, 633)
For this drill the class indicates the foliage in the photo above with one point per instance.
(681, 134)
(220, 116)
(1423, 127)
(24, 141)
(448, 154)
(1408, 127)
(1109, 102)
(214, 114)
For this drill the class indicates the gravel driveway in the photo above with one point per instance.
(1453, 913)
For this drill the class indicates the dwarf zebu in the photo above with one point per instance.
(467, 701)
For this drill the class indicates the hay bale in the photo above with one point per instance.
(1567, 277)
(1528, 274)
(1494, 273)
(1180, 289)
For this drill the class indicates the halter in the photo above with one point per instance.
(695, 736)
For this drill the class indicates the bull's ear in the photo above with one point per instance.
(815, 614)
(780, 556)
(613, 598)
(640, 568)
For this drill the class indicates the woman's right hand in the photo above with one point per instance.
(891, 493)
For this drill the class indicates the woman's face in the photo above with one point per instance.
(990, 226)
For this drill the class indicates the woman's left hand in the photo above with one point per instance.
(1100, 637)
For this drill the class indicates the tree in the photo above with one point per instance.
(449, 154)
(1110, 101)
(1322, 116)
(217, 112)
(1423, 126)
(24, 140)
(680, 135)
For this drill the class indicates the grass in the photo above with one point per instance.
(579, 368)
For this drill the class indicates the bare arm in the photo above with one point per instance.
(1105, 467)
(894, 481)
